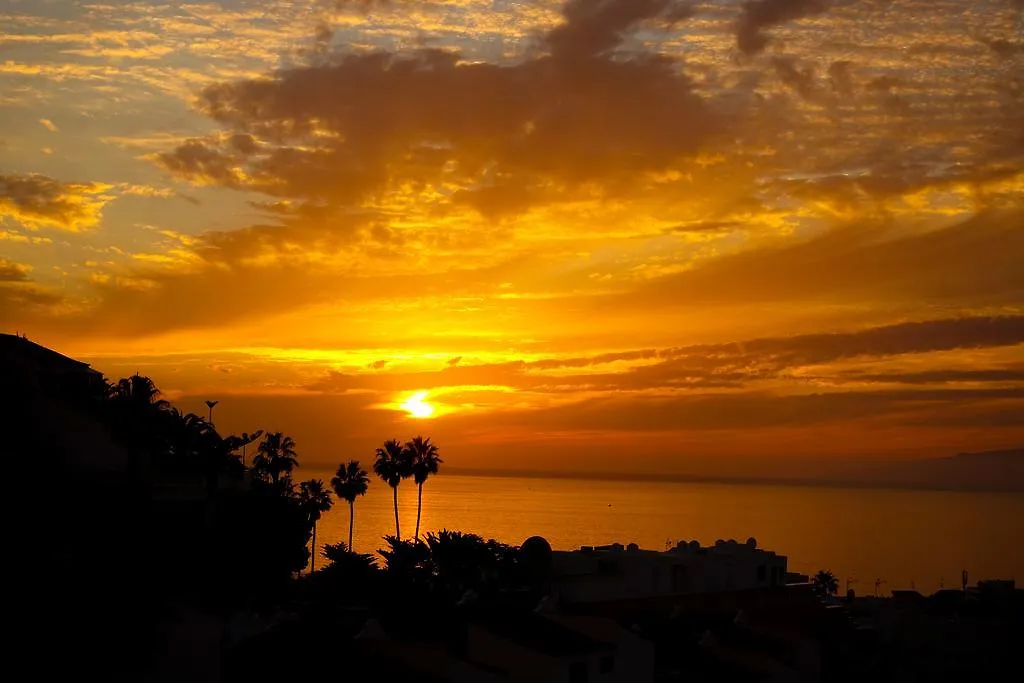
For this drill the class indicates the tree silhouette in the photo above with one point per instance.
(826, 582)
(137, 392)
(314, 499)
(350, 482)
(449, 563)
(391, 463)
(425, 461)
(346, 564)
(275, 458)
(135, 413)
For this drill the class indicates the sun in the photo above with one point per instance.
(417, 407)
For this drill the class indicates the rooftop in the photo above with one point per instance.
(21, 350)
(720, 546)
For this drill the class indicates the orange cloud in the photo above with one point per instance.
(38, 201)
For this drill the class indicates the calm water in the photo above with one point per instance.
(924, 537)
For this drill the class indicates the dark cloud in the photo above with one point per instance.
(761, 410)
(594, 27)
(975, 261)
(19, 297)
(706, 226)
(758, 15)
(24, 305)
(841, 76)
(11, 271)
(778, 353)
(343, 129)
(705, 366)
(41, 201)
(800, 79)
(884, 84)
(940, 376)
(1004, 48)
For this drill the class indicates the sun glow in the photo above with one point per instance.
(417, 407)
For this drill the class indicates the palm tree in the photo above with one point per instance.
(355, 567)
(392, 465)
(137, 391)
(275, 456)
(314, 500)
(136, 413)
(350, 482)
(425, 462)
(826, 582)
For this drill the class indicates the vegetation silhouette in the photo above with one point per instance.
(347, 574)
(425, 461)
(826, 582)
(392, 464)
(315, 500)
(450, 565)
(350, 482)
(275, 458)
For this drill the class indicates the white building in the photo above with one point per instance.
(617, 572)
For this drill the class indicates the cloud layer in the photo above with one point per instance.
(636, 218)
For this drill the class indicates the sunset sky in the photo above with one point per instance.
(629, 235)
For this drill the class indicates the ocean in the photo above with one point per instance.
(904, 538)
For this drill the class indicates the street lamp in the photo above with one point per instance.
(248, 439)
(210, 405)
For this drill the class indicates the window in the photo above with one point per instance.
(578, 672)
(761, 573)
(607, 664)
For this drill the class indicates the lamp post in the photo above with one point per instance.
(210, 405)
(248, 439)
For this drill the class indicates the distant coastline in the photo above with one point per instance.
(898, 480)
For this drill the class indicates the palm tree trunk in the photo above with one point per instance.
(312, 559)
(419, 508)
(351, 516)
(398, 530)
